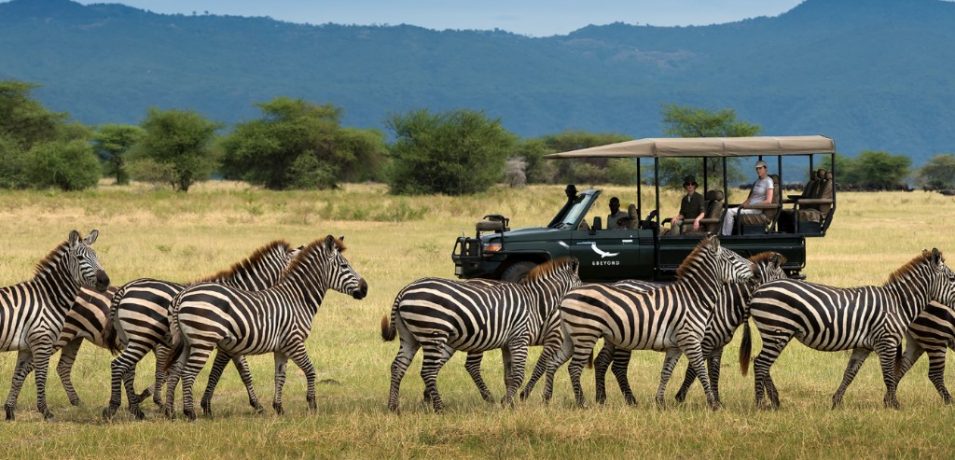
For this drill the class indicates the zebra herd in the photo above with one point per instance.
(267, 303)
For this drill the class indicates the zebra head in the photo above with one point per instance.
(767, 266)
(730, 266)
(339, 272)
(83, 264)
(942, 285)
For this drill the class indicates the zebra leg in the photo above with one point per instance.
(713, 367)
(163, 354)
(669, 362)
(858, 358)
(64, 368)
(120, 368)
(218, 366)
(473, 366)
(507, 361)
(41, 365)
(517, 357)
(772, 347)
(561, 355)
(20, 373)
(583, 347)
(936, 373)
(399, 366)
(913, 351)
(195, 355)
(173, 374)
(551, 348)
(246, 375)
(435, 356)
(300, 357)
(694, 353)
(281, 360)
(688, 380)
(887, 354)
(620, 367)
(601, 364)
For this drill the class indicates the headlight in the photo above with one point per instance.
(494, 246)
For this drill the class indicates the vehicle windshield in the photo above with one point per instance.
(577, 209)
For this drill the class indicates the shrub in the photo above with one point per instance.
(69, 165)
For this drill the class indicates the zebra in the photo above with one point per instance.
(238, 322)
(729, 314)
(139, 323)
(932, 332)
(32, 312)
(671, 318)
(862, 319)
(442, 316)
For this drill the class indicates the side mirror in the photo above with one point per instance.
(598, 225)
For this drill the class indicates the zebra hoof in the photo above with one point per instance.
(137, 412)
(168, 412)
(488, 398)
(190, 414)
(206, 407)
(631, 401)
(75, 401)
(109, 412)
(47, 415)
(524, 395)
(278, 409)
(9, 412)
(680, 397)
(258, 408)
(312, 405)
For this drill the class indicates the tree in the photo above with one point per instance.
(683, 121)
(939, 172)
(23, 119)
(181, 141)
(875, 170)
(297, 144)
(455, 153)
(68, 165)
(592, 170)
(111, 143)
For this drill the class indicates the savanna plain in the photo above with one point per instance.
(394, 240)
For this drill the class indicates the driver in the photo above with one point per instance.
(615, 214)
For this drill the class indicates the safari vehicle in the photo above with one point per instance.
(639, 249)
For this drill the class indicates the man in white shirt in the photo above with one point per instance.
(761, 193)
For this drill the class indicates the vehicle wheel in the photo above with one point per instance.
(518, 271)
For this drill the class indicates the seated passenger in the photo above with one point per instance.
(691, 207)
(615, 214)
(761, 193)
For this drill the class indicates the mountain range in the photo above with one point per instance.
(873, 74)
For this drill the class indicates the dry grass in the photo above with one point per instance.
(147, 232)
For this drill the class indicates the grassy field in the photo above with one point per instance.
(392, 241)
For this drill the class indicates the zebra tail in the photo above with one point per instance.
(174, 339)
(109, 335)
(898, 362)
(590, 359)
(388, 331)
(745, 349)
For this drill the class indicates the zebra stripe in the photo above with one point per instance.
(139, 323)
(933, 331)
(671, 318)
(238, 322)
(729, 314)
(442, 316)
(862, 319)
(32, 312)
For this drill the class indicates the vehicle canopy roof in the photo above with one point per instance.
(661, 147)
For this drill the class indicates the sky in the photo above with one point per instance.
(536, 18)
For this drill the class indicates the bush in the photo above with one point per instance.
(12, 164)
(622, 171)
(69, 165)
(307, 172)
(455, 153)
(149, 170)
(939, 172)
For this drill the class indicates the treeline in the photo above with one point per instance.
(295, 144)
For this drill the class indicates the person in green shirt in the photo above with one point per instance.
(691, 207)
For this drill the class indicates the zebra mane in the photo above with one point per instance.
(549, 267)
(249, 263)
(690, 259)
(308, 249)
(51, 259)
(911, 266)
(765, 256)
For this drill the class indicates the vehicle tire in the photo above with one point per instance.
(517, 271)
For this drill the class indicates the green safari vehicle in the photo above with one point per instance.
(636, 247)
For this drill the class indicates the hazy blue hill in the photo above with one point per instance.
(871, 73)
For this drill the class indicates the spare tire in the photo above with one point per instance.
(517, 271)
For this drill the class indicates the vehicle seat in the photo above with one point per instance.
(764, 221)
(713, 212)
(814, 212)
(787, 219)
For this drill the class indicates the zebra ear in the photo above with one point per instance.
(329, 242)
(74, 238)
(342, 238)
(936, 256)
(713, 242)
(91, 238)
(775, 259)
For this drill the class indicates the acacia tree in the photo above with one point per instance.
(454, 153)
(112, 142)
(180, 141)
(297, 144)
(681, 121)
(939, 172)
